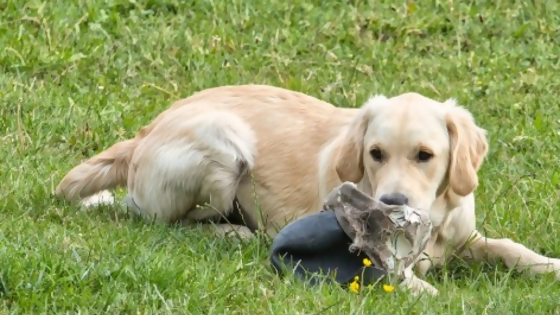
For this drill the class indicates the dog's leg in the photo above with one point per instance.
(190, 169)
(230, 230)
(213, 223)
(513, 254)
(417, 286)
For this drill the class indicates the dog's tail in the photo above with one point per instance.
(107, 170)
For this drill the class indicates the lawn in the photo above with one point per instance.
(78, 76)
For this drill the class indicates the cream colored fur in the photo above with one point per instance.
(280, 152)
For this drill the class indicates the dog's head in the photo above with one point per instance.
(412, 148)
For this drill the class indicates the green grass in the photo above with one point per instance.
(78, 76)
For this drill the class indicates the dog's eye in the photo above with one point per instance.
(424, 156)
(377, 155)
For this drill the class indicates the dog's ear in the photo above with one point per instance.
(468, 148)
(349, 162)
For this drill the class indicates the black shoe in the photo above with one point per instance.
(318, 245)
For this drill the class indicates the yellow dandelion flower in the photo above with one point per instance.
(356, 278)
(388, 288)
(367, 262)
(354, 287)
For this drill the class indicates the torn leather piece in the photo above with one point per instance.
(393, 237)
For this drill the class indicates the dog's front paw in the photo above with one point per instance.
(418, 286)
(543, 265)
(555, 266)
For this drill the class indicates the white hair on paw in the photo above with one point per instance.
(101, 198)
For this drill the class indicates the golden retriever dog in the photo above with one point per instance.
(276, 154)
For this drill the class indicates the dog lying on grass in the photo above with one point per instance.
(276, 154)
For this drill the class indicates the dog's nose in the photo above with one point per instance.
(396, 199)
